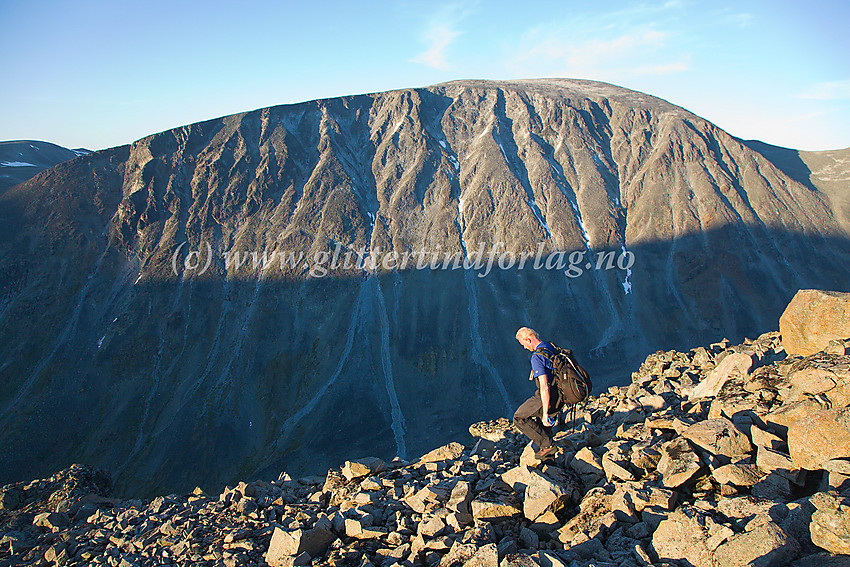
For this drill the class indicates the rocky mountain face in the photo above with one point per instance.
(281, 288)
(21, 160)
(721, 455)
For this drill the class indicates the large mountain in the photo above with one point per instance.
(134, 334)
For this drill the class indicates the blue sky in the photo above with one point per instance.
(97, 74)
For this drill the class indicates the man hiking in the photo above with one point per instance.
(532, 418)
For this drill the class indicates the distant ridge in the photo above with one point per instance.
(23, 159)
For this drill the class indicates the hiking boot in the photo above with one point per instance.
(546, 452)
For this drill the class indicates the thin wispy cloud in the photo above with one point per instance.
(440, 32)
(438, 37)
(638, 51)
(830, 90)
(633, 40)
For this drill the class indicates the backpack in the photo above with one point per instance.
(571, 379)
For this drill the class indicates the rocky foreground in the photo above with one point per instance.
(723, 455)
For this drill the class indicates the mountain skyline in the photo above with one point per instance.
(100, 75)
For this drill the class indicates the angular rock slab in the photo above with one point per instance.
(830, 526)
(679, 463)
(720, 437)
(362, 467)
(492, 508)
(544, 493)
(812, 319)
(289, 544)
(818, 437)
(765, 546)
(737, 474)
(738, 363)
(449, 452)
(681, 537)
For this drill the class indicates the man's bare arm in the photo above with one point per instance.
(543, 379)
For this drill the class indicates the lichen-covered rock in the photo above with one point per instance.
(744, 475)
(680, 537)
(812, 319)
(291, 543)
(737, 364)
(819, 436)
(544, 493)
(362, 467)
(451, 451)
(830, 527)
(679, 463)
(765, 546)
(719, 437)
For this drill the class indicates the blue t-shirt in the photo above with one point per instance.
(540, 364)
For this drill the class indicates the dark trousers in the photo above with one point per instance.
(529, 419)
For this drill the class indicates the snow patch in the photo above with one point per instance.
(534, 209)
(595, 157)
(16, 164)
(504, 155)
(580, 222)
(627, 285)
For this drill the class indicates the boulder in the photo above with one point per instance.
(460, 498)
(494, 430)
(762, 438)
(431, 527)
(428, 498)
(773, 486)
(649, 496)
(545, 494)
(736, 364)
(616, 467)
(813, 319)
(681, 538)
(594, 513)
(815, 379)
(486, 556)
(737, 474)
(765, 546)
(449, 452)
(819, 436)
(362, 467)
(769, 461)
(830, 527)
(720, 437)
(51, 520)
(587, 464)
(679, 463)
(285, 544)
(789, 413)
(645, 457)
(491, 507)
(517, 478)
(358, 530)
